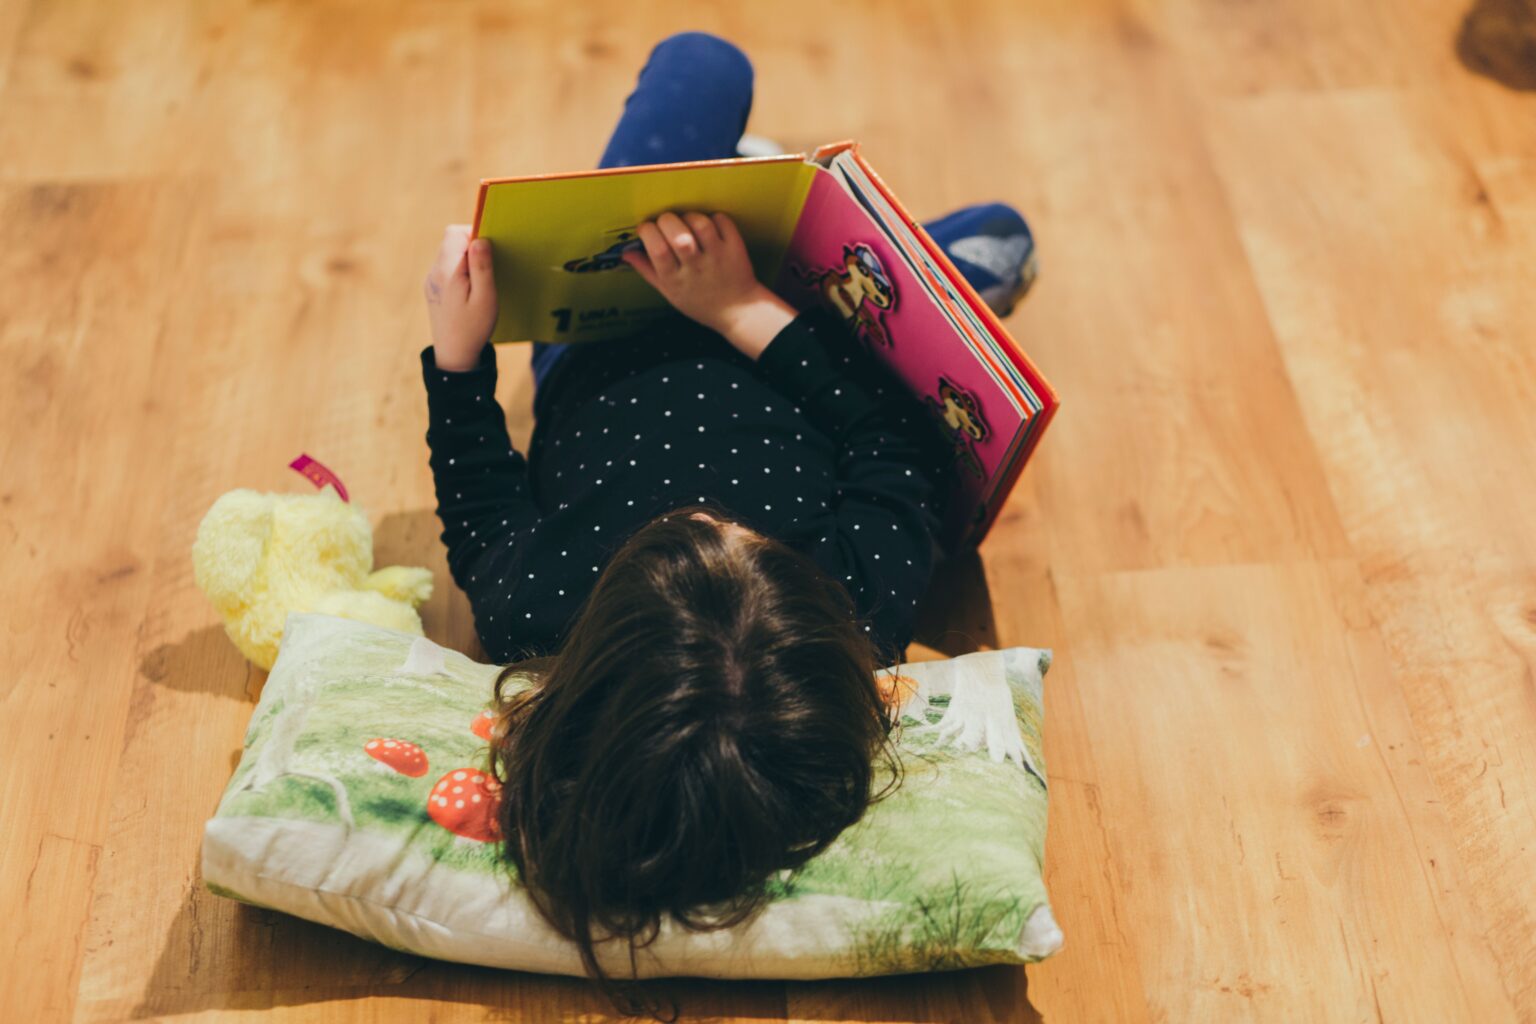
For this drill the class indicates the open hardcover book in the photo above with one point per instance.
(822, 229)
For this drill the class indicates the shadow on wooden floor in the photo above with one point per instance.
(413, 537)
(204, 661)
(955, 615)
(223, 955)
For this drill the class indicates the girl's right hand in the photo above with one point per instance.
(699, 263)
(461, 299)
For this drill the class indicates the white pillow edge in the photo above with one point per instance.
(779, 944)
(1041, 936)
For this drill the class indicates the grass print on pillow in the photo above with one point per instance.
(362, 802)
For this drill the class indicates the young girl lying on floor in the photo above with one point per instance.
(721, 530)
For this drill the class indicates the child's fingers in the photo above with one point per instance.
(663, 259)
(729, 235)
(678, 236)
(641, 264)
(481, 286)
(450, 255)
(703, 229)
(455, 238)
(443, 267)
(455, 283)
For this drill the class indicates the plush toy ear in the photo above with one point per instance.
(231, 544)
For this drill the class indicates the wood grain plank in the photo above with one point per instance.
(81, 335)
(1098, 973)
(12, 17)
(1284, 853)
(1416, 370)
(1185, 451)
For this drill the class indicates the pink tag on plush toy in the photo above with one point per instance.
(318, 474)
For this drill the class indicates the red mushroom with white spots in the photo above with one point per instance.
(484, 722)
(405, 758)
(465, 802)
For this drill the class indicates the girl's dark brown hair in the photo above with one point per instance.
(712, 719)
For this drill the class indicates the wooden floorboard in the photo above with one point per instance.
(1279, 536)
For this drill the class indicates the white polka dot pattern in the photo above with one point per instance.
(860, 473)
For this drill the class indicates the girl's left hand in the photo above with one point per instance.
(461, 299)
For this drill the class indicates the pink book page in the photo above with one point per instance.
(840, 259)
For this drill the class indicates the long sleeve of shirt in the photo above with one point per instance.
(881, 538)
(484, 497)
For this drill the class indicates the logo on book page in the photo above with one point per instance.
(959, 413)
(859, 289)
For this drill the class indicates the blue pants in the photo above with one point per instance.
(691, 103)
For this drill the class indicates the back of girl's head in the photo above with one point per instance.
(712, 719)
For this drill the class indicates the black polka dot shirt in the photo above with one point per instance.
(814, 444)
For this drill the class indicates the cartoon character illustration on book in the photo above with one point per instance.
(958, 411)
(859, 289)
(611, 258)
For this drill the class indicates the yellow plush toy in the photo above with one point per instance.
(260, 556)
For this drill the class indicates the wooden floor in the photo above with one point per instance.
(1282, 536)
